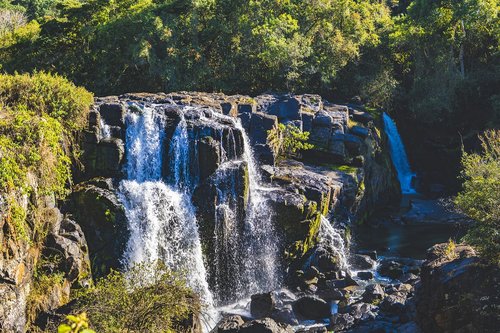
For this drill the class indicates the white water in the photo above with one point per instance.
(331, 239)
(398, 155)
(160, 218)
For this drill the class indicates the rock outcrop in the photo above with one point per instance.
(459, 292)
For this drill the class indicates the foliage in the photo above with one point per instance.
(46, 94)
(37, 114)
(480, 198)
(42, 289)
(287, 140)
(449, 251)
(75, 324)
(148, 298)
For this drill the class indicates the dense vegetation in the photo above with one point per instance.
(37, 116)
(480, 198)
(433, 64)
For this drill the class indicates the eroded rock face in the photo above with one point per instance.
(96, 208)
(458, 292)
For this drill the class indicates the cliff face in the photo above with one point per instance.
(346, 175)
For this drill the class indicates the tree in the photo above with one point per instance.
(480, 198)
(287, 140)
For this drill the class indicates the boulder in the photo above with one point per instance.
(311, 308)
(340, 322)
(391, 268)
(113, 114)
(361, 116)
(361, 261)
(285, 315)
(458, 292)
(374, 293)
(394, 304)
(266, 325)
(369, 253)
(229, 324)
(262, 305)
(365, 275)
(360, 131)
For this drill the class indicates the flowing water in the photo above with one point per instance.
(331, 239)
(162, 219)
(398, 155)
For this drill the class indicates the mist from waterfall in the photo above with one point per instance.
(398, 155)
(161, 219)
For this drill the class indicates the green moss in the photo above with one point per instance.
(343, 168)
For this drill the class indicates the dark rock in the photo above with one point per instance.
(94, 118)
(390, 268)
(362, 132)
(361, 116)
(260, 123)
(361, 261)
(309, 307)
(102, 219)
(246, 108)
(67, 241)
(458, 292)
(374, 293)
(262, 305)
(394, 303)
(209, 156)
(113, 114)
(409, 278)
(266, 325)
(229, 324)
(341, 321)
(110, 153)
(285, 315)
(365, 275)
(369, 253)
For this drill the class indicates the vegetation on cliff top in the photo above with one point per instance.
(37, 115)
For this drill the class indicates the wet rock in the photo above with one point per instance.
(229, 324)
(266, 325)
(94, 118)
(310, 307)
(361, 116)
(409, 278)
(208, 156)
(390, 268)
(365, 275)
(285, 315)
(363, 311)
(113, 114)
(374, 293)
(369, 253)
(262, 305)
(260, 123)
(361, 261)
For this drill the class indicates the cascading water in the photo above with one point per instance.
(330, 238)
(161, 219)
(398, 155)
(158, 192)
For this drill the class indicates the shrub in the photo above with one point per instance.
(148, 298)
(287, 140)
(75, 324)
(480, 198)
(49, 94)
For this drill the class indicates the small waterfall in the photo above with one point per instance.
(398, 155)
(330, 238)
(161, 219)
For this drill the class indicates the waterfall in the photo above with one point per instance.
(398, 155)
(158, 197)
(331, 239)
(160, 218)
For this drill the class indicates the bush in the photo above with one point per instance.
(47, 94)
(148, 298)
(480, 198)
(287, 140)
